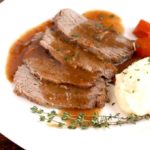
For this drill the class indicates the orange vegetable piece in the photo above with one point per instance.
(143, 47)
(142, 29)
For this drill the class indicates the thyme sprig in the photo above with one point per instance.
(69, 121)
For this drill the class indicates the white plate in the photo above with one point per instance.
(16, 120)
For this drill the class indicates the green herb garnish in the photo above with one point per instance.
(42, 118)
(61, 124)
(101, 17)
(67, 58)
(40, 111)
(98, 25)
(34, 109)
(66, 120)
(111, 16)
(75, 35)
(110, 28)
(138, 79)
(65, 116)
(58, 49)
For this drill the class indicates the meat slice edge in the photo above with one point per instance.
(61, 20)
(77, 57)
(58, 96)
(45, 67)
(116, 49)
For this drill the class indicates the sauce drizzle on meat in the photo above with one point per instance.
(18, 49)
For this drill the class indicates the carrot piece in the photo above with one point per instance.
(143, 47)
(142, 29)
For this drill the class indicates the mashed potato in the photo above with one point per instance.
(132, 88)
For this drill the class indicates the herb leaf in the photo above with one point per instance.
(98, 25)
(58, 49)
(67, 58)
(96, 121)
(42, 118)
(111, 16)
(34, 109)
(65, 116)
(101, 17)
(75, 35)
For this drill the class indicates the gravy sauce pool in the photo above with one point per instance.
(19, 48)
(107, 19)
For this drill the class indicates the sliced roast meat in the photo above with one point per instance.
(45, 67)
(27, 85)
(66, 20)
(59, 96)
(91, 36)
(73, 55)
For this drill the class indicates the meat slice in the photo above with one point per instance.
(45, 67)
(59, 96)
(91, 36)
(74, 56)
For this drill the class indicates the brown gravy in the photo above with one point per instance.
(106, 18)
(19, 48)
(75, 112)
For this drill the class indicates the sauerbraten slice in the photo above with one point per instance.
(74, 56)
(91, 36)
(41, 64)
(58, 96)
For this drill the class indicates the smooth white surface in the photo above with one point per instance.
(132, 88)
(23, 127)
